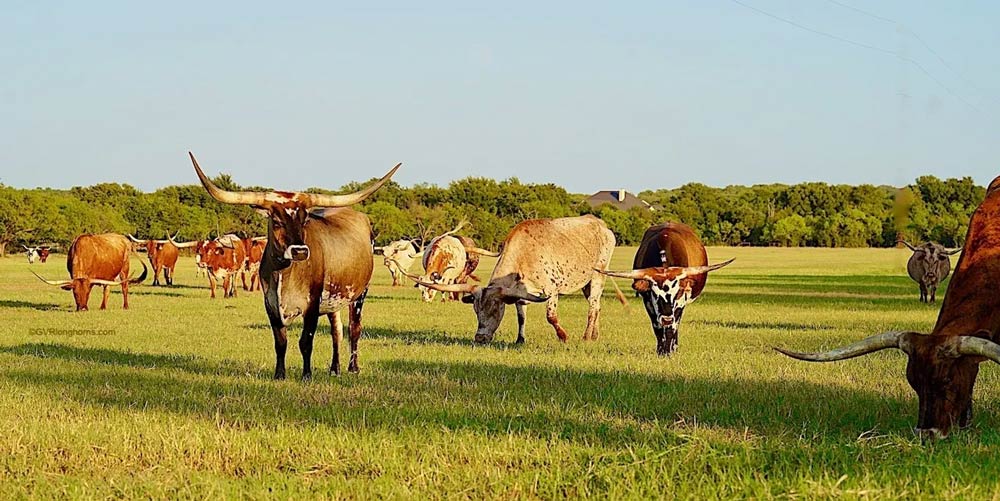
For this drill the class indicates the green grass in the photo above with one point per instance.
(178, 401)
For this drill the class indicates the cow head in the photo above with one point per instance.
(287, 213)
(81, 286)
(488, 302)
(219, 255)
(665, 292)
(32, 253)
(941, 370)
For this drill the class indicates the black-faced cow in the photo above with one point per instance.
(317, 261)
(541, 259)
(943, 365)
(98, 260)
(669, 272)
(928, 266)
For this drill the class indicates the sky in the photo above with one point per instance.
(586, 95)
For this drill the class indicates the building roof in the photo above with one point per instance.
(620, 199)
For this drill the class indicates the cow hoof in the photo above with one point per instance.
(519, 340)
(307, 377)
(279, 375)
(353, 369)
(335, 371)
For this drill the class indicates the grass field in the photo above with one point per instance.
(177, 400)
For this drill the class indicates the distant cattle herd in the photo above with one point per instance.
(316, 259)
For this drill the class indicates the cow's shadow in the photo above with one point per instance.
(607, 407)
(13, 303)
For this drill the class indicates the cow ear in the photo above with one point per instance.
(468, 299)
(640, 285)
(262, 211)
(67, 287)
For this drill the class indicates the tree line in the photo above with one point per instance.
(807, 214)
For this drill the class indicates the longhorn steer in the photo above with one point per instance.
(162, 256)
(43, 253)
(541, 259)
(399, 257)
(32, 253)
(98, 260)
(929, 265)
(669, 272)
(450, 259)
(223, 258)
(943, 365)
(315, 262)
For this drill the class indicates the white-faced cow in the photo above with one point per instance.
(929, 265)
(317, 261)
(450, 259)
(32, 253)
(162, 256)
(943, 365)
(98, 260)
(541, 259)
(398, 257)
(669, 272)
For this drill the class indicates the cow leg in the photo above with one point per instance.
(309, 321)
(521, 317)
(923, 293)
(280, 346)
(168, 276)
(355, 334)
(552, 315)
(125, 294)
(243, 277)
(593, 292)
(156, 275)
(337, 335)
(226, 283)
(104, 302)
(211, 282)
(933, 293)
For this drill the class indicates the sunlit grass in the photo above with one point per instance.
(178, 401)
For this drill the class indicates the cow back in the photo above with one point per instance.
(446, 256)
(681, 247)
(102, 257)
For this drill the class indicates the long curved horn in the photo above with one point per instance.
(953, 251)
(316, 200)
(863, 347)
(228, 197)
(52, 282)
(183, 245)
(907, 244)
(136, 240)
(98, 281)
(26, 247)
(461, 224)
(142, 277)
(631, 275)
(697, 270)
(482, 252)
(467, 288)
(971, 345)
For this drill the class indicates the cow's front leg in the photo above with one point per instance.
(552, 315)
(280, 346)
(211, 282)
(355, 326)
(337, 335)
(522, 316)
(107, 293)
(309, 320)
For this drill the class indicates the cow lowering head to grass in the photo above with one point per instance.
(929, 265)
(318, 260)
(943, 365)
(669, 272)
(98, 260)
(541, 259)
(398, 257)
(450, 259)
(162, 255)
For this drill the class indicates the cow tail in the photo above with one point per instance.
(618, 293)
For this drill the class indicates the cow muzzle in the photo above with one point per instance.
(665, 322)
(926, 434)
(297, 252)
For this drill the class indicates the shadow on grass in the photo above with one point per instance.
(784, 326)
(422, 337)
(615, 408)
(10, 303)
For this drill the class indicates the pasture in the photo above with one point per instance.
(174, 398)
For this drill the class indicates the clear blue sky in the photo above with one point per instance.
(586, 95)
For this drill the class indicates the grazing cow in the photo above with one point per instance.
(317, 261)
(255, 251)
(32, 253)
(669, 272)
(399, 255)
(541, 259)
(929, 265)
(162, 256)
(943, 365)
(450, 259)
(98, 260)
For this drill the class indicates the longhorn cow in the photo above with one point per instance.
(942, 366)
(162, 255)
(669, 272)
(97, 260)
(450, 259)
(929, 265)
(32, 253)
(541, 259)
(399, 255)
(318, 259)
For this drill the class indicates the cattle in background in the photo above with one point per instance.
(942, 366)
(450, 259)
(317, 261)
(223, 258)
(162, 255)
(196, 245)
(669, 272)
(398, 257)
(928, 266)
(255, 251)
(32, 253)
(98, 260)
(541, 259)
(43, 253)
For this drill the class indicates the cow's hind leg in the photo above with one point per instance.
(552, 315)
(104, 302)
(337, 333)
(310, 321)
(593, 292)
(521, 317)
(168, 275)
(125, 294)
(355, 327)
